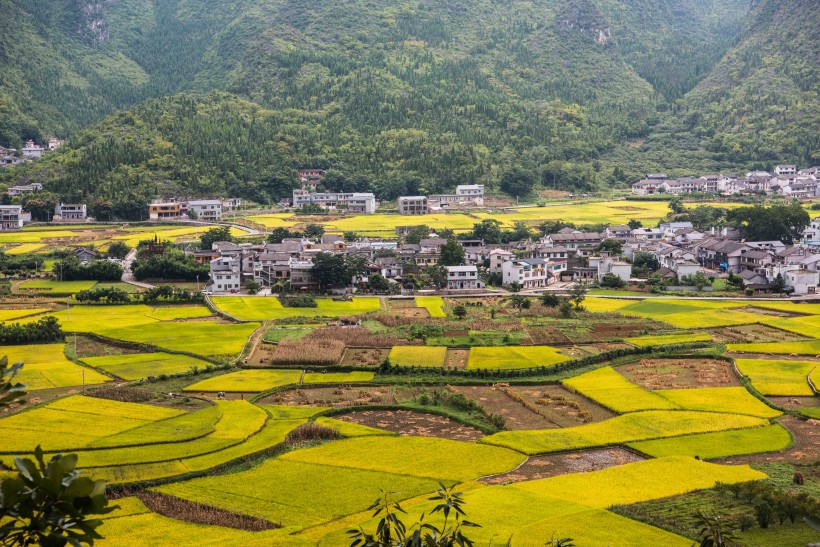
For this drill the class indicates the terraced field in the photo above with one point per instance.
(265, 309)
(47, 367)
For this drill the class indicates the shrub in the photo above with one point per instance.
(47, 329)
(104, 294)
(310, 432)
(301, 301)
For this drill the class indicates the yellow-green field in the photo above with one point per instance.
(260, 308)
(418, 356)
(256, 381)
(669, 339)
(784, 378)
(8, 315)
(514, 357)
(433, 304)
(133, 366)
(770, 438)
(46, 366)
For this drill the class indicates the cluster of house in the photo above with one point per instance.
(569, 255)
(10, 157)
(786, 180)
(467, 195)
(203, 209)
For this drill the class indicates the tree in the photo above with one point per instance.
(379, 283)
(392, 532)
(452, 253)
(314, 231)
(118, 249)
(488, 230)
(676, 205)
(520, 232)
(643, 263)
(416, 234)
(611, 246)
(279, 234)
(612, 281)
(634, 224)
(715, 531)
(517, 182)
(696, 280)
(10, 391)
(554, 226)
(778, 284)
(460, 311)
(50, 503)
(577, 295)
(735, 282)
(217, 233)
(550, 300)
(350, 236)
(520, 302)
(329, 269)
(253, 286)
(776, 223)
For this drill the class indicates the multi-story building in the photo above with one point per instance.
(528, 273)
(12, 217)
(33, 151)
(24, 189)
(207, 209)
(470, 191)
(413, 205)
(354, 202)
(167, 210)
(70, 212)
(463, 277)
(226, 275)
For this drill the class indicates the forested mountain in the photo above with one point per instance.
(397, 95)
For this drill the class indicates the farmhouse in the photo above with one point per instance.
(70, 212)
(12, 217)
(206, 209)
(463, 277)
(413, 205)
(165, 210)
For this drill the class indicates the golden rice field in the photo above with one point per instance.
(254, 308)
(46, 366)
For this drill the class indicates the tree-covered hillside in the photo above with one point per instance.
(393, 94)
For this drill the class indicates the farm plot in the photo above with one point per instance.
(679, 373)
(608, 388)
(807, 347)
(133, 366)
(731, 400)
(8, 315)
(75, 422)
(418, 356)
(632, 427)
(56, 287)
(255, 308)
(706, 446)
(256, 381)
(805, 326)
(514, 357)
(46, 366)
(433, 304)
(752, 333)
(206, 338)
(779, 378)
(669, 339)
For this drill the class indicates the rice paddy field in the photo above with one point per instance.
(539, 450)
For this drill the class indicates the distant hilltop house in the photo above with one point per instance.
(70, 212)
(9, 157)
(54, 144)
(24, 189)
(309, 179)
(466, 195)
(786, 181)
(165, 210)
(33, 151)
(12, 217)
(206, 209)
(353, 202)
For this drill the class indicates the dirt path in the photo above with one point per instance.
(551, 465)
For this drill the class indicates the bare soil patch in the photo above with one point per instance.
(795, 403)
(560, 406)
(200, 513)
(805, 449)
(457, 358)
(547, 336)
(495, 401)
(409, 423)
(766, 311)
(773, 356)
(342, 396)
(679, 373)
(752, 333)
(371, 357)
(91, 347)
(551, 465)
(400, 304)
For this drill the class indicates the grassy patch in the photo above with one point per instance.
(514, 357)
(418, 356)
(636, 426)
(770, 438)
(133, 366)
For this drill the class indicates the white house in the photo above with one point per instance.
(33, 151)
(802, 281)
(207, 209)
(497, 258)
(226, 272)
(413, 205)
(529, 273)
(70, 211)
(608, 264)
(12, 217)
(463, 277)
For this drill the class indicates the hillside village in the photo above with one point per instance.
(786, 180)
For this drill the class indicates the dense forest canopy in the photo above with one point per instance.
(229, 97)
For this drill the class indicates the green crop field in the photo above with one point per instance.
(46, 367)
(770, 438)
(133, 366)
(25, 248)
(608, 388)
(806, 326)
(433, 304)
(514, 357)
(56, 287)
(784, 378)
(416, 456)
(635, 426)
(418, 356)
(731, 400)
(199, 337)
(669, 339)
(257, 308)
(683, 314)
(807, 347)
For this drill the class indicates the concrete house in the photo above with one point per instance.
(413, 205)
(463, 277)
(12, 217)
(70, 212)
(529, 273)
(207, 209)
